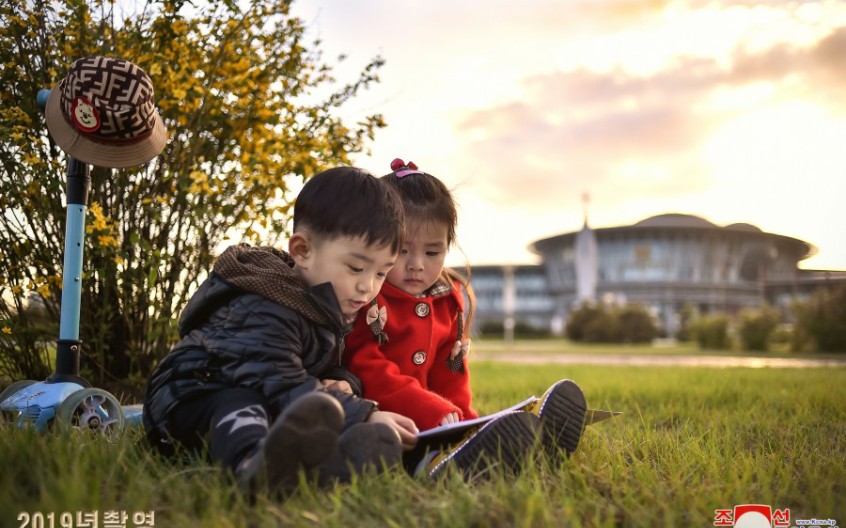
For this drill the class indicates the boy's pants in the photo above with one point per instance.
(231, 422)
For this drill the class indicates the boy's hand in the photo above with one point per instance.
(450, 418)
(336, 385)
(402, 425)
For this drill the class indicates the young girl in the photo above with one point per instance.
(410, 348)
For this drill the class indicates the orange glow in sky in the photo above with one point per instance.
(733, 111)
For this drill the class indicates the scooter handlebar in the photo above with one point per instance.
(42, 96)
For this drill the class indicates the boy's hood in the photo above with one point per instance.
(265, 271)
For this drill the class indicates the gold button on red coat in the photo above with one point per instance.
(419, 357)
(422, 309)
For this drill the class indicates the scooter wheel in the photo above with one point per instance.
(93, 410)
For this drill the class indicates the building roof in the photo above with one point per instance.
(676, 222)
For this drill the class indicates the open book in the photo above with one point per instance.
(453, 432)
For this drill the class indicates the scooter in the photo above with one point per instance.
(65, 399)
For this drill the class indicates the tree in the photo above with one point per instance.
(238, 91)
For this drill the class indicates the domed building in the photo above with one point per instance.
(662, 262)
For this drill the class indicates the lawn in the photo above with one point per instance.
(691, 441)
(490, 348)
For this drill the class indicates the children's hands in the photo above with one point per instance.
(460, 346)
(336, 385)
(450, 418)
(402, 425)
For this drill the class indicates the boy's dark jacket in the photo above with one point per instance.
(254, 323)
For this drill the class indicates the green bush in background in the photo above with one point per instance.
(597, 323)
(756, 326)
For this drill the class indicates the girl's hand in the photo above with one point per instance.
(336, 385)
(404, 426)
(450, 418)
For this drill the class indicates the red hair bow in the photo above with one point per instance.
(402, 168)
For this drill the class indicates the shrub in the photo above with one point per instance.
(592, 323)
(492, 328)
(757, 325)
(636, 324)
(603, 327)
(686, 316)
(578, 320)
(523, 329)
(711, 331)
(251, 110)
(782, 339)
(822, 318)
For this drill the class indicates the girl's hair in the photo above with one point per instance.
(425, 198)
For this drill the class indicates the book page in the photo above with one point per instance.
(466, 424)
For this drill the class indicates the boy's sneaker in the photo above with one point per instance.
(362, 447)
(562, 416)
(506, 441)
(302, 437)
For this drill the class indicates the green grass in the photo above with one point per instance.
(492, 347)
(691, 440)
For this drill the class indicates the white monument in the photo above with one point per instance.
(587, 260)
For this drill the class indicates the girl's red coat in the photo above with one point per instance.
(425, 392)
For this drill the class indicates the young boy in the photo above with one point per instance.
(256, 375)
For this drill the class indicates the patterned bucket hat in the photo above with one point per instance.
(103, 113)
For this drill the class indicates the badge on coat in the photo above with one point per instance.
(419, 357)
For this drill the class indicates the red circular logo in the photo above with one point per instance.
(85, 117)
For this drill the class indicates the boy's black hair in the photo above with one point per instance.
(346, 201)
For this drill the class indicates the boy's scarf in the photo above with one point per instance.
(269, 272)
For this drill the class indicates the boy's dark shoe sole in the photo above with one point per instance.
(302, 437)
(562, 416)
(362, 447)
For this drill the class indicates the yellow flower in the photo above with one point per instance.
(107, 240)
(7, 330)
(31, 159)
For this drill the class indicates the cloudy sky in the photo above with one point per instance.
(733, 111)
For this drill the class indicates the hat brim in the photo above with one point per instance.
(79, 146)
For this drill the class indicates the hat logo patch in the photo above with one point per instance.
(85, 117)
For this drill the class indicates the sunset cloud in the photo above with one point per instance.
(731, 110)
(624, 135)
